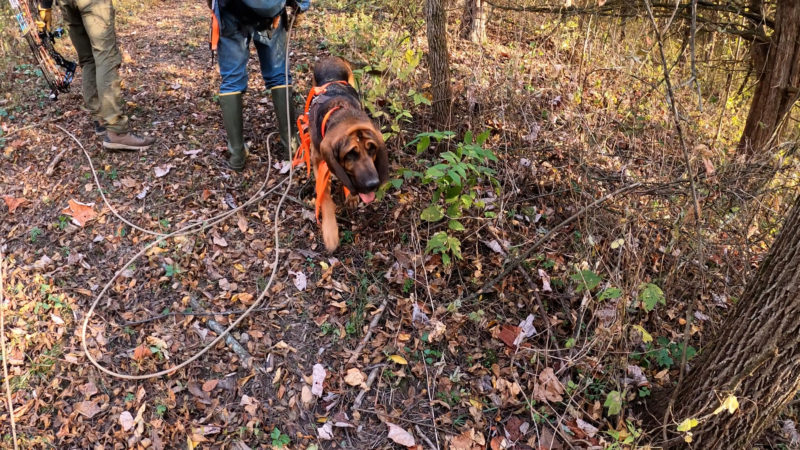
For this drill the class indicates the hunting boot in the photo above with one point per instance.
(231, 105)
(287, 118)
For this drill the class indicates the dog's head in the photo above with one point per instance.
(355, 152)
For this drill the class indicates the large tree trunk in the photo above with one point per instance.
(473, 21)
(755, 356)
(778, 64)
(439, 62)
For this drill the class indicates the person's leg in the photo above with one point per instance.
(80, 40)
(98, 21)
(233, 54)
(271, 50)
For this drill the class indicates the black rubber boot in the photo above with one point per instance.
(285, 117)
(231, 105)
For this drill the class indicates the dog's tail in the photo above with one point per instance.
(330, 230)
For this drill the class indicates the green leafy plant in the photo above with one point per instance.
(587, 280)
(455, 176)
(279, 440)
(35, 233)
(613, 403)
(651, 295)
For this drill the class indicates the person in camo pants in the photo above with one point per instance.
(91, 29)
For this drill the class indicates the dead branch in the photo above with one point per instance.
(370, 380)
(234, 345)
(372, 324)
(52, 166)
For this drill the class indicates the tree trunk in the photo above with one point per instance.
(755, 356)
(438, 62)
(778, 66)
(474, 20)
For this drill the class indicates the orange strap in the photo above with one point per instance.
(214, 40)
(303, 154)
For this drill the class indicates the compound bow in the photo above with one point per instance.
(57, 70)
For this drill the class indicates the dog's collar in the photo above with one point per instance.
(325, 119)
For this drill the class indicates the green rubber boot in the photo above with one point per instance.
(231, 105)
(285, 117)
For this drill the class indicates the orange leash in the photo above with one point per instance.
(303, 154)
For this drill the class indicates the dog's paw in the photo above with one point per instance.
(351, 202)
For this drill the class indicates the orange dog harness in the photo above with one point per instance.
(303, 154)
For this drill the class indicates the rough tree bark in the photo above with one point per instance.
(438, 61)
(778, 66)
(755, 356)
(474, 19)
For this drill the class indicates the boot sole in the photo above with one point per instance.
(114, 146)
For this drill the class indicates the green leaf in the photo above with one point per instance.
(437, 242)
(432, 213)
(646, 337)
(455, 225)
(610, 294)
(651, 295)
(613, 403)
(586, 279)
(423, 144)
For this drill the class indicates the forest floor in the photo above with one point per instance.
(439, 366)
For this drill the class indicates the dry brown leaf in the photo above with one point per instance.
(548, 388)
(209, 385)
(355, 377)
(13, 203)
(241, 222)
(400, 436)
(325, 432)
(508, 334)
(468, 440)
(87, 409)
(141, 352)
(80, 212)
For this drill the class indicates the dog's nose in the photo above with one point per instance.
(372, 184)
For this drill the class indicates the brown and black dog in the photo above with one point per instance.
(345, 138)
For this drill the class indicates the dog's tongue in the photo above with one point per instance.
(367, 198)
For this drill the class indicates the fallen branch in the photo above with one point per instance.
(372, 324)
(425, 438)
(52, 166)
(370, 379)
(5, 357)
(218, 328)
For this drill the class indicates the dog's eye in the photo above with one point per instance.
(351, 155)
(371, 148)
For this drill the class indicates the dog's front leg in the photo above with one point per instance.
(330, 229)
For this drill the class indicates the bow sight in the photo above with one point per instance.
(57, 70)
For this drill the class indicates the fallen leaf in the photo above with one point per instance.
(468, 440)
(209, 385)
(87, 409)
(141, 352)
(250, 404)
(88, 389)
(526, 330)
(398, 359)
(687, 425)
(220, 241)
(80, 212)
(637, 374)
(206, 193)
(587, 428)
(400, 436)
(355, 377)
(731, 404)
(545, 281)
(300, 280)
(548, 389)
(162, 170)
(126, 420)
(241, 222)
(318, 378)
(508, 334)
(325, 432)
(13, 203)
(141, 195)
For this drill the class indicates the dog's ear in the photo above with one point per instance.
(381, 156)
(330, 147)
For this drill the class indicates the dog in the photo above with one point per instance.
(344, 137)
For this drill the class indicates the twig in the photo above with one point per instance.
(370, 380)
(696, 203)
(425, 438)
(693, 33)
(195, 313)
(517, 261)
(5, 357)
(372, 324)
(216, 327)
(52, 166)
